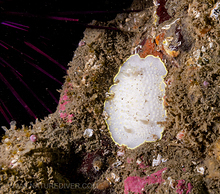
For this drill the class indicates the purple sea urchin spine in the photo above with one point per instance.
(15, 25)
(44, 54)
(17, 96)
(4, 114)
(43, 71)
(63, 18)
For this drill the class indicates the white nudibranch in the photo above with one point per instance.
(137, 108)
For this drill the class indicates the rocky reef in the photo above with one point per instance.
(71, 150)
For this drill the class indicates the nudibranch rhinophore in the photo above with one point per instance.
(136, 107)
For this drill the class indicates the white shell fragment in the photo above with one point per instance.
(116, 164)
(115, 177)
(215, 13)
(88, 132)
(137, 105)
(171, 182)
(156, 162)
(200, 170)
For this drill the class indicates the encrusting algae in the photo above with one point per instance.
(71, 150)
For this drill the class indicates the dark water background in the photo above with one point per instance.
(56, 38)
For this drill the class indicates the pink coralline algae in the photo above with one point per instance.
(82, 43)
(190, 187)
(136, 184)
(129, 160)
(206, 84)
(64, 100)
(33, 138)
(181, 187)
(142, 165)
